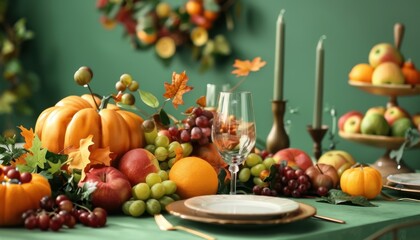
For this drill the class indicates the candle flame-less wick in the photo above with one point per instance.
(282, 12)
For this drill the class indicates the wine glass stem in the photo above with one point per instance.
(233, 172)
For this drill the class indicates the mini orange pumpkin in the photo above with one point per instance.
(75, 118)
(15, 198)
(361, 181)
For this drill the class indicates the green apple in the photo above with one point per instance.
(384, 52)
(375, 124)
(388, 73)
(400, 126)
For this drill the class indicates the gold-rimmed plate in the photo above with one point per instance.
(242, 206)
(179, 209)
(408, 180)
(402, 189)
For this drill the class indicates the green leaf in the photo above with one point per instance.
(149, 99)
(339, 197)
(37, 158)
(87, 189)
(164, 118)
(25, 168)
(54, 167)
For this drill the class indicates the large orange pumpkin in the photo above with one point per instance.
(361, 181)
(74, 118)
(15, 199)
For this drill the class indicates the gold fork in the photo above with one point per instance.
(164, 225)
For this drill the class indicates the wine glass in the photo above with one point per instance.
(233, 130)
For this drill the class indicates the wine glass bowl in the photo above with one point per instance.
(233, 130)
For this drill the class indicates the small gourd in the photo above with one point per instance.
(361, 181)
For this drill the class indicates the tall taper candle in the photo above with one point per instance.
(319, 83)
(279, 58)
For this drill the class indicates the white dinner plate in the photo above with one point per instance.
(408, 180)
(242, 206)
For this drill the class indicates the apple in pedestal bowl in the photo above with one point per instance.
(295, 158)
(400, 127)
(384, 52)
(340, 160)
(394, 113)
(137, 163)
(112, 188)
(375, 124)
(388, 73)
(350, 122)
(378, 109)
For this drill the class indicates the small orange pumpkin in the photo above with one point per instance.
(16, 198)
(412, 76)
(361, 181)
(75, 118)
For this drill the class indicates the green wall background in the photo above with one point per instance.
(69, 35)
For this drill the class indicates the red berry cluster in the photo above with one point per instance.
(195, 128)
(55, 213)
(12, 175)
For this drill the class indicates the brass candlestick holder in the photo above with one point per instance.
(317, 134)
(277, 139)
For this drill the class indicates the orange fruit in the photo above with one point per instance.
(194, 7)
(211, 15)
(411, 75)
(361, 72)
(146, 38)
(193, 177)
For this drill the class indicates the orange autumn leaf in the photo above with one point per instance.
(79, 158)
(243, 68)
(201, 101)
(177, 89)
(28, 135)
(100, 156)
(189, 110)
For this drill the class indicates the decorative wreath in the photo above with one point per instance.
(156, 23)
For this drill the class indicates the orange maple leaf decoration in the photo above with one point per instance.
(243, 68)
(28, 135)
(177, 88)
(83, 158)
(201, 101)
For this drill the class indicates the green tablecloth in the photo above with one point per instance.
(360, 223)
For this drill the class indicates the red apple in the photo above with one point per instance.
(294, 157)
(394, 113)
(112, 188)
(323, 175)
(350, 122)
(384, 52)
(378, 109)
(137, 163)
(339, 159)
